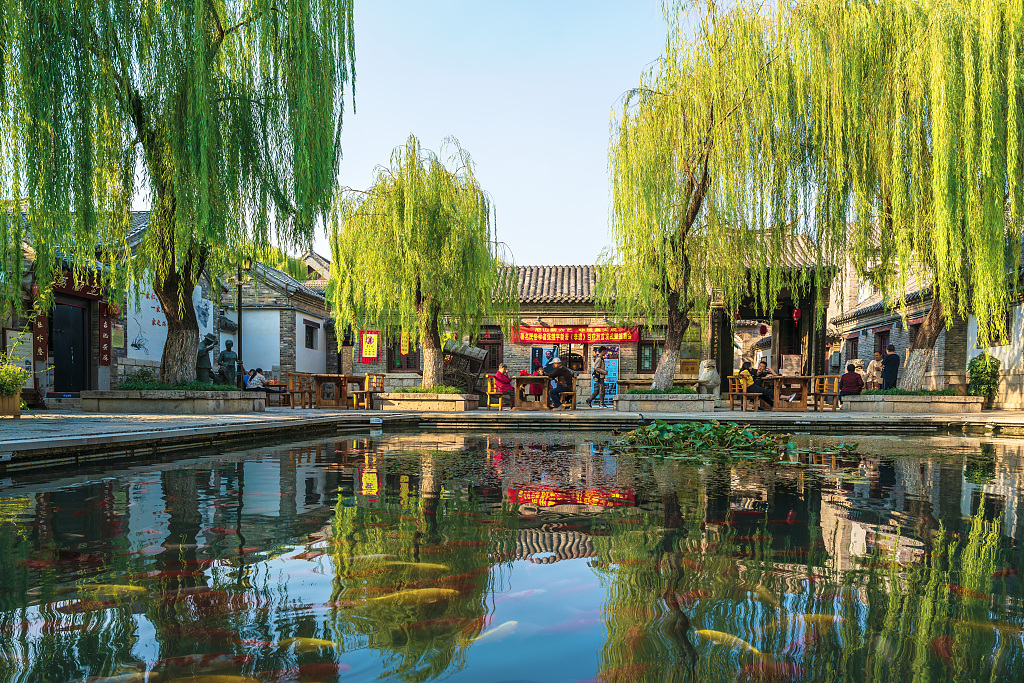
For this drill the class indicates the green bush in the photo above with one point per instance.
(674, 390)
(145, 379)
(983, 376)
(904, 392)
(12, 377)
(440, 389)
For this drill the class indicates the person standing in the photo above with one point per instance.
(874, 378)
(600, 372)
(890, 368)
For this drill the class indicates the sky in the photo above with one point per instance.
(528, 88)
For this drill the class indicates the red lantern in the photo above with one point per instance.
(796, 314)
(763, 330)
(736, 315)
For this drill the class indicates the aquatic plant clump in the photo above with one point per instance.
(705, 436)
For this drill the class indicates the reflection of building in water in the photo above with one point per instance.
(995, 477)
(553, 545)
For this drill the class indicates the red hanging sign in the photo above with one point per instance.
(576, 334)
(369, 346)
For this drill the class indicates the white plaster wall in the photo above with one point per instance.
(310, 360)
(146, 329)
(1010, 355)
(261, 339)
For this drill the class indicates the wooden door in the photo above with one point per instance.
(70, 348)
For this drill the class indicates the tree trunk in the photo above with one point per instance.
(677, 323)
(432, 355)
(920, 350)
(178, 363)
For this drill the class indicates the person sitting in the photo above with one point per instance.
(259, 383)
(503, 383)
(850, 384)
(536, 389)
(561, 379)
(248, 378)
(751, 384)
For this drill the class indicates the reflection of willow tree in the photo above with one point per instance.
(376, 548)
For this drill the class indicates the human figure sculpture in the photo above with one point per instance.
(227, 361)
(708, 380)
(204, 368)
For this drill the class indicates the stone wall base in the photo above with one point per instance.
(913, 404)
(665, 403)
(445, 402)
(174, 402)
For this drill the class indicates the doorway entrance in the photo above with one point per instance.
(70, 338)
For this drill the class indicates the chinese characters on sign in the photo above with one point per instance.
(104, 335)
(542, 498)
(580, 335)
(40, 347)
(87, 289)
(369, 346)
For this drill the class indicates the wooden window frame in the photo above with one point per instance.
(406, 365)
(655, 345)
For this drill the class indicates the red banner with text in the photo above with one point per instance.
(546, 498)
(576, 335)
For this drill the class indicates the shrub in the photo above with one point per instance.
(905, 392)
(674, 390)
(12, 377)
(145, 379)
(440, 389)
(983, 376)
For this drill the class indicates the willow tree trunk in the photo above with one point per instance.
(178, 362)
(432, 356)
(675, 328)
(920, 351)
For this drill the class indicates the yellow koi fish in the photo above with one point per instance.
(497, 633)
(1001, 627)
(728, 640)
(113, 590)
(760, 593)
(306, 644)
(419, 566)
(418, 596)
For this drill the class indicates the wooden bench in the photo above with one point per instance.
(824, 387)
(373, 385)
(301, 389)
(738, 392)
(567, 399)
(495, 397)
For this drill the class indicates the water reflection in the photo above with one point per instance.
(419, 557)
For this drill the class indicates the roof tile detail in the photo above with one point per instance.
(555, 284)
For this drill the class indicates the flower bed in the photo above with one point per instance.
(665, 403)
(423, 401)
(902, 403)
(174, 402)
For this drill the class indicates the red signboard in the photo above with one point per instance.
(543, 498)
(87, 289)
(576, 334)
(104, 335)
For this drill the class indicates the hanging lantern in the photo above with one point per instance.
(763, 330)
(736, 315)
(796, 314)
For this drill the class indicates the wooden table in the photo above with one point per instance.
(797, 383)
(340, 383)
(521, 384)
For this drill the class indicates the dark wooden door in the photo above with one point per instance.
(70, 348)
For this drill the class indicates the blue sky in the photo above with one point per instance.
(527, 87)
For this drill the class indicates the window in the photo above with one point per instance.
(881, 341)
(492, 343)
(1003, 337)
(312, 332)
(647, 354)
(399, 363)
(852, 349)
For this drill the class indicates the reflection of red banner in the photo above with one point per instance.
(609, 498)
(581, 335)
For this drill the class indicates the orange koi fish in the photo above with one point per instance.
(942, 646)
(960, 590)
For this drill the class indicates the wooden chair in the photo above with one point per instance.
(373, 385)
(824, 387)
(495, 397)
(301, 389)
(568, 398)
(737, 392)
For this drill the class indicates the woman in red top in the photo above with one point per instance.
(503, 383)
(851, 383)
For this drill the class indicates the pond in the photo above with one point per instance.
(544, 557)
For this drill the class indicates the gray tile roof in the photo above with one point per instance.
(876, 304)
(555, 284)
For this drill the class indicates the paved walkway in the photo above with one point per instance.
(72, 437)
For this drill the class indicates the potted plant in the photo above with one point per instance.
(12, 379)
(983, 377)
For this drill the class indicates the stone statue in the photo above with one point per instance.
(709, 381)
(227, 361)
(204, 369)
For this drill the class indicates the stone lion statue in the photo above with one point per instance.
(709, 381)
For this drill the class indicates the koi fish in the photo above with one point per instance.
(634, 636)
(416, 597)
(311, 671)
(809, 640)
(691, 597)
(729, 640)
(1003, 573)
(497, 633)
(311, 555)
(960, 590)
(942, 646)
(622, 674)
(83, 606)
(760, 592)
(1001, 627)
(113, 590)
(202, 662)
(307, 644)
(771, 671)
(461, 578)
(419, 566)
(373, 558)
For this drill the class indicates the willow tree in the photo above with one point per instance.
(227, 111)
(416, 254)
(700, 159)
(913, 113)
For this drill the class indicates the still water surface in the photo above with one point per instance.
(518, 558)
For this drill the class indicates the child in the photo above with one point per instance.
(851, 383)
(503, 383)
